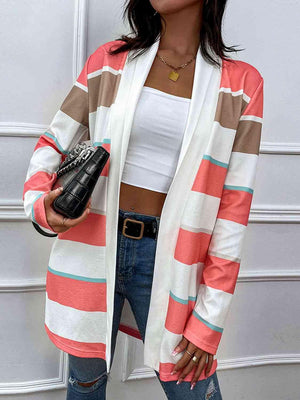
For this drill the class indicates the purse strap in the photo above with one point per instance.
(38, 228)
(79, 154)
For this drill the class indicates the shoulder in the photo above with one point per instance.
(241, 75)
(101, 56)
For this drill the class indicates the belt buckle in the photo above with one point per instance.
(141, 223)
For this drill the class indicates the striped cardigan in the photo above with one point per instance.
(203, 220)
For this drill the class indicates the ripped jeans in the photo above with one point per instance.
(134, 273)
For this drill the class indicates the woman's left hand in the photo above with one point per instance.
(187, 364)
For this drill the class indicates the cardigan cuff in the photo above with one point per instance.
(40, 213)
(197, 341)
(202, 334)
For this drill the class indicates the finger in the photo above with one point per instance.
(199, 369)
(51, 196)
(56, 219)
(195, 351)
(181, 346)
(185, 358)
(209, 364)
(70, 222)
(189, 367)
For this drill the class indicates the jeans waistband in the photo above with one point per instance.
(139, 216)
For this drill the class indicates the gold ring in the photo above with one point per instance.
(195, 359)
(189, 353)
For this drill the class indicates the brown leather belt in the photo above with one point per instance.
(135, 229)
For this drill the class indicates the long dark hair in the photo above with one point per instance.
(146, 27)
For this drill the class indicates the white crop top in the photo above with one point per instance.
(155, 140)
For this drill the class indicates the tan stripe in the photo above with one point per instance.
(75, 105)
(248, 136)
(103, 90)
(228, 110)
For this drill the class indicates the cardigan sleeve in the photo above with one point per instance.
(205, 324)
(69, 126)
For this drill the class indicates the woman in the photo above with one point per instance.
(183, 124)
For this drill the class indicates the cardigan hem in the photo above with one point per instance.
(73, 350)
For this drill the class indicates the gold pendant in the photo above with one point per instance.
(173, 75)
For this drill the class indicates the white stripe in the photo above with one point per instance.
(81, 86)
(185, 279)
(99, 195)
(29, 198)
(98, 121)
(73, 324)
(213, 304)
(78, 258)
(200, 211)
(43, 159)
(236, 93)
(220, 145)
(251, 118)
(169, 341)
(242, 169)
(227, 239)
(104, 68)
(67, 131)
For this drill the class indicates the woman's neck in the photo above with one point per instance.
(181, 32)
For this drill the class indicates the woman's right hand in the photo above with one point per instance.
(55, 219)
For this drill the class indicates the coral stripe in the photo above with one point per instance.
(177, 315)
(235, 205)
(191, 247)
(211, 337)
(234, 77)
(105, 170)
(90, 231)
(45, 140)
(210, 178)
(79, 349)
(220, 273)
(98, 61)
(79, 294)
(41, 181)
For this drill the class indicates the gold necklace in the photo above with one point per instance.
(174, 75)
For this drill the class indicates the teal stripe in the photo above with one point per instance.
(106, 140)
(78, 277)
(56, 141)
(211, 326)
(32, 209)
(182, 301)
(214, 161)
(243, 188)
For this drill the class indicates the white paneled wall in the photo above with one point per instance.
(45, 44)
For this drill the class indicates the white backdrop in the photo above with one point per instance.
(43, 47)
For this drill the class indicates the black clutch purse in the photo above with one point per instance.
(78, 175)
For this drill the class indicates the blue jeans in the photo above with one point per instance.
(134, 274)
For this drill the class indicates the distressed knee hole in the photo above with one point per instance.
(74, 381)
(211, 390)
(87, 384)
